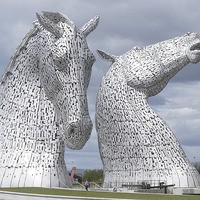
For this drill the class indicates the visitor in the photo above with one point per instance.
(86, 185)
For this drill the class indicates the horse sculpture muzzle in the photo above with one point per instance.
(193, 52)
(77, 133)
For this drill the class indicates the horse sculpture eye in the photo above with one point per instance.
(90, 60)
(61, 63)
(89, 63)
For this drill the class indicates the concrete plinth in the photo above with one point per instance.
(186, 191)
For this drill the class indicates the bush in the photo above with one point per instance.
(93, 176)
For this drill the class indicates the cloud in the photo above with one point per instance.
(191, 152)
(82, 160)
(188, 132)
(182, 111)
(157, 100)
(182, 94)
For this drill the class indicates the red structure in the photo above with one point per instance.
(72, 173)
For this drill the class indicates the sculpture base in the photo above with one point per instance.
(186, 191)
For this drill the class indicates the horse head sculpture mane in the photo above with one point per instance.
(135, 144)
(44, 105)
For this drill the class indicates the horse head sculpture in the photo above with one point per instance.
(151, 67)
(66, 65)
(135, 144)
(43, 96)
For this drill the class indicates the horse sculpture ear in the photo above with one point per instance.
(57, 17)
(50, 25)
(90, 25)
(106, 56)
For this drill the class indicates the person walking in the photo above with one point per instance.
(86, 185)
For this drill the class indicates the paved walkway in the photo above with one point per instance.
(22, 196)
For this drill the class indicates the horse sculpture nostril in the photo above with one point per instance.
(72, 131)
(195, 47)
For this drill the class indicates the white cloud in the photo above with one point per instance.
(192, 152)
(118, 44)
(182, 113)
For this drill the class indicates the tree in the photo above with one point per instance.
(93, 176)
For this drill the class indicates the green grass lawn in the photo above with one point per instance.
(50, 191)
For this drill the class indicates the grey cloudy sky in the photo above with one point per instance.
(123, 24)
